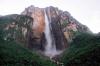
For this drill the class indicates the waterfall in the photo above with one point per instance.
(50, 48)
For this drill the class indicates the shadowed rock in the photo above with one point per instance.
(29, 27)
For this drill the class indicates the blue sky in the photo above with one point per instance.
(85, 11)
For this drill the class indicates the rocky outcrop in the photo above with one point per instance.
(38, 15)
(28, 28)
(63, 26)
(38, 24)
(16, 27)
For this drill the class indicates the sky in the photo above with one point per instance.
(86, 12)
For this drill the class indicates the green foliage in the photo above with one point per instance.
(82, 47)
(12, 54)
(64, 24)
(15, 33)
(5, 20)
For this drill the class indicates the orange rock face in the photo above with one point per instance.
(62, 25)
(39, 23)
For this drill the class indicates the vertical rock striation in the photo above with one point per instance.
(63, 27)
(30, 27)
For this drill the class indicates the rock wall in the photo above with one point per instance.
(28, 28)
(63, 26)
(38, 24)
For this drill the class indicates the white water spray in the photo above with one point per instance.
(50, 49)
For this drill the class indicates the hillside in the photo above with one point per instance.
(83, 51)
(13, 54)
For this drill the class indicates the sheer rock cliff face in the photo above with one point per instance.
(28, 28)
(39, 25)
(63, 26)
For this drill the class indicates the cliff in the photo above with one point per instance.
(63, 26)
(64, 35)
(29, 27)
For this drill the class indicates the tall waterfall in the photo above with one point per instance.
(50, 49)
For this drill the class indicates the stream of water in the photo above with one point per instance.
(50, 48)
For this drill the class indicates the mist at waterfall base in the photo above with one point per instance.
(50, 48)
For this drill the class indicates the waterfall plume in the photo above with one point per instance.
(50, 48)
